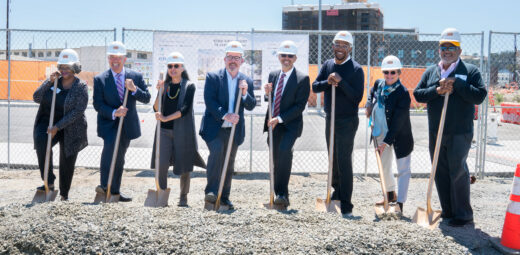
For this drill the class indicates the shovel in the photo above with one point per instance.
(107, 197)
(386, 210)
(216, 206)
(158, 197)
(328, 205)
(48, 195)
(429, 218)
(271, 204)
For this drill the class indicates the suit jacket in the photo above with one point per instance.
(294, 98)
(106, 100)
(216, 99)
(397, 112)
(74, 122)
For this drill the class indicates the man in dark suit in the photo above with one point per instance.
(220, 93)
(291, 91)
(109, 90)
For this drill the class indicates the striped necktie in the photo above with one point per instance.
(278, 96)
(120, 87)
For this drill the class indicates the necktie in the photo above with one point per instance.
(120, 87)
(278, 96)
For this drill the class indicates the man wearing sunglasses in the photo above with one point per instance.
(220, 93)
(348, 77)
(291, 91)
(109, 91)
(464, 84)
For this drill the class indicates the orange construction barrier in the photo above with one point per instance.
(510, 241)
(510, 113)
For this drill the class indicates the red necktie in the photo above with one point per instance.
(278, 96)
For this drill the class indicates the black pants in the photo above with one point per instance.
(106, 158)
(283, 142)
(452, 177)
(342, 180)
(217, 154)
(67, 164)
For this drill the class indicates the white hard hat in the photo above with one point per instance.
(68, 57)
(235, 46)
(288, 47)
(450, 35)
(391, 62)
(175, 58)
(116, 48)
(343, 36)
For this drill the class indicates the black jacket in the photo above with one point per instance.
(294, 99)
(468, 90)
(397, 111)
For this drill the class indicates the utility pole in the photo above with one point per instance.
(7, 31)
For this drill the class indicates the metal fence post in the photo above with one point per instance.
(485, 108)
(479, 159)
(251, 115)
(115, 34)
(9, 100)
(368, 91)
(123, 35)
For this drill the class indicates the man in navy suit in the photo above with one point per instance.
(291, 91)
(109, 90)
(220, 93)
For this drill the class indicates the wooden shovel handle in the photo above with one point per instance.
(271, 157)
(49, 139)
(331, 142)
(158, 134)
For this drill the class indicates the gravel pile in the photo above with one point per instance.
(79, 227)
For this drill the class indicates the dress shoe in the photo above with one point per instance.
(183, 201)
(210, 198)
(42, 188)
(64, 198)
(392, 198)
(123, 198)
(400, 206)
(281, 200)
(100, 189)
(347, 214)
(227, 202)
(459, 223)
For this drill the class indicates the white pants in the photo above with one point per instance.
(403, 172)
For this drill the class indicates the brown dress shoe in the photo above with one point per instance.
(392, 198)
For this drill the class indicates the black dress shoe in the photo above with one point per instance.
(42, 188)
(123, 198)
(281, 200)
(210, 198)
(227, 202)
(459, 223)
(183, 201)
(101, 189)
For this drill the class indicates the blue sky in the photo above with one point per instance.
(427, 16)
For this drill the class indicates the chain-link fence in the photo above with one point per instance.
(35, 52)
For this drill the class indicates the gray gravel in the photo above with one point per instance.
(78, 227)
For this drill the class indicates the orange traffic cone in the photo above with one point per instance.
(510, 241)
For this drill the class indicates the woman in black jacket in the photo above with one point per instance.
(70, 124)
(388, 106)
(178, 146)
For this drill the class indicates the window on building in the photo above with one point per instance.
(364, 19)
(56, 53)
(129, 54)
(381, 53)
(17, 53)
(414, 53)
(24, 54)
(430, 53)
(364, 27)
(49, 53)
(142, 56)
(400, 53)
(40, 54)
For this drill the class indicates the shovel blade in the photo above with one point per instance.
(157, 198)
(211, 207)
(102, 198)
(333, 207)
(425, 219)
(392, 212)
(41, 196)
(275, 207)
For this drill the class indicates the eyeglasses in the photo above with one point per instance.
(286, 56)
(64, 68)
(236, 58)
(339, 46)
(450, 49)
(389, 72)
(174, 66)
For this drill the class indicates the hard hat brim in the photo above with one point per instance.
(116, 54)
(286, 52)
(390, 68)
(456, 43)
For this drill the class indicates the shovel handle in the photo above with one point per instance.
(271, 157)
(331, 142)
(49, 138)
(116, 148)
(228, 152)
(381, 174)
(436, 153)
(158, 134)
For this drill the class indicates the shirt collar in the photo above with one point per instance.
(288, 73)
(114, 73)
(229, 77)
(346, 60)
(452, 65)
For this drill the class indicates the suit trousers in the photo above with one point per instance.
(166, 152)
(67, 164)
(217, 154)
(283, 142)
(452, 177)
(342, 174)
(109, 142)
